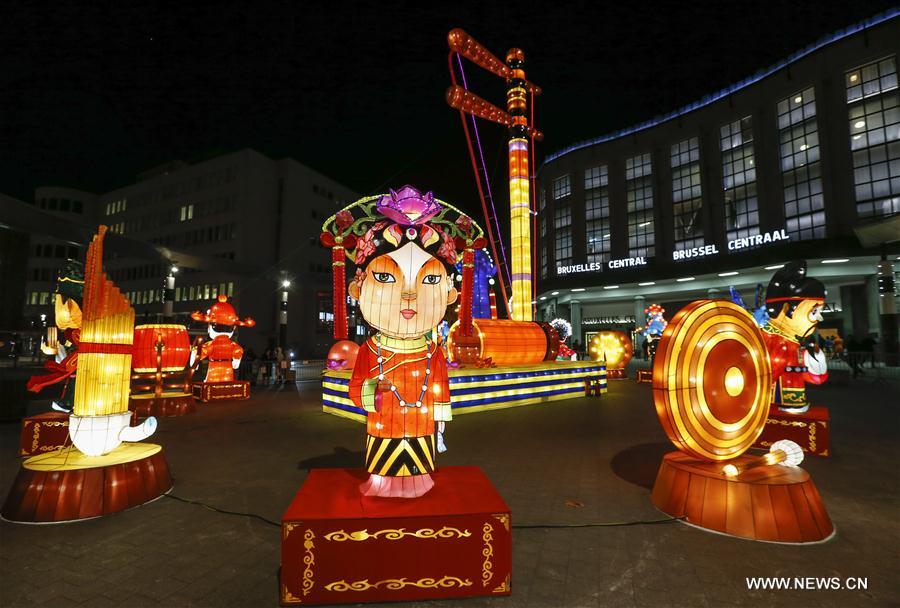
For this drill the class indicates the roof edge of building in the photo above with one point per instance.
(706, 100)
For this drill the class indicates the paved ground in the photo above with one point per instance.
(252, 456)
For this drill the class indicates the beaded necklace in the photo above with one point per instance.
(403, 406)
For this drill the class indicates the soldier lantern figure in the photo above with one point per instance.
(224, 354)
(406, 245)
(63, 348)
(794, 303)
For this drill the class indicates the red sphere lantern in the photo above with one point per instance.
(342, 355)
(176, 348)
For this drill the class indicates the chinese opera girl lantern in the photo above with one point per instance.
(223, 353)
(794, 304)
(405, 245)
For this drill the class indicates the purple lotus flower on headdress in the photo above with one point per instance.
(408, 206)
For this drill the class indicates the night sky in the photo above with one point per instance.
(92, 95)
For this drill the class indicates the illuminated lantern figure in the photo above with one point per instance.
(653, 330)
(564, 331)
(794, 304)
(223, 353)
(712, 381)
(406, 244)
(615, 348)
(107, 468)
(67, 310)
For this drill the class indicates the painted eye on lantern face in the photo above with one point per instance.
(431, 279)
(384, 277)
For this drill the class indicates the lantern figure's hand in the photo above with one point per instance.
(49, 350)
(441, 446)
(816, 363)
(383, 385)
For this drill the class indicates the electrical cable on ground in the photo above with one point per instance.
(614, 524)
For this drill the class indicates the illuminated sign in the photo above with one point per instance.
(608, 320)
(758, 239)
(694, 252)
(626, 262)
(592, 267)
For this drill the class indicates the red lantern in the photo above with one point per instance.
(176, 348)
(343, 355)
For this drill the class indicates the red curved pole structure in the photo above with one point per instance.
(521, 133)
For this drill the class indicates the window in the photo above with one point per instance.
(596, 213)
(562, 222)
(543, 216)
(739, 179)
(64, 204)
(687, 193)
(874, 112)
(187, 212)
(639, 196)
(326, 316)
(52, 204)
(798, 137)
(77, 206)
(562, 187)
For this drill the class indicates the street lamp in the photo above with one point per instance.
(169, 293)
(282, 313)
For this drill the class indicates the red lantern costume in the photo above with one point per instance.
(223, 354)
(789, 370)
(401, 438)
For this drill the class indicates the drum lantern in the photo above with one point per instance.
(175, 353)
(712, 380)
(612, 346)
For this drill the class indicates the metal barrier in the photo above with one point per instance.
(308, 370)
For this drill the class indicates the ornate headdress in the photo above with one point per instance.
(359, 230)
(222, 313)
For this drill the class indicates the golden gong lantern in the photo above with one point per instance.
(615, 348)
(712, 380)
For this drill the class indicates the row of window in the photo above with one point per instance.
(184, 188)
(198, 236)
(46, 250)
(874, 115)
(61, 204)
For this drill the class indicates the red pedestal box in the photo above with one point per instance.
(810, 430)
(338, 546)
(644, 375)
(43, 433)
(219, 391)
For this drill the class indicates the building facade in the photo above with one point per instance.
(801, 161)
(259, 216)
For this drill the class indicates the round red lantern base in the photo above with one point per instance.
(66, 485)
(167, 404)
(769, 503)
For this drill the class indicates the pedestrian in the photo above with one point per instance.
(247, 365)
(867, 346)
(853, 355)
(279, 365)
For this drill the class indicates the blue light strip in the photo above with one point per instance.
(714, 97)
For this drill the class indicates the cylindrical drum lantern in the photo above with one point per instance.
(504, 342)
(175, 352)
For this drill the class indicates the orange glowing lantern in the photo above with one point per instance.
(176, 348)
(615, 348)
(504, 342)
(342, 355)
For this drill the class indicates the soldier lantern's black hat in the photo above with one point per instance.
(790, 284)
(70, 280)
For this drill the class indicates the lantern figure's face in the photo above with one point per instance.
(67, 313)
(803, 322)
(404, 293)
(218, 329)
